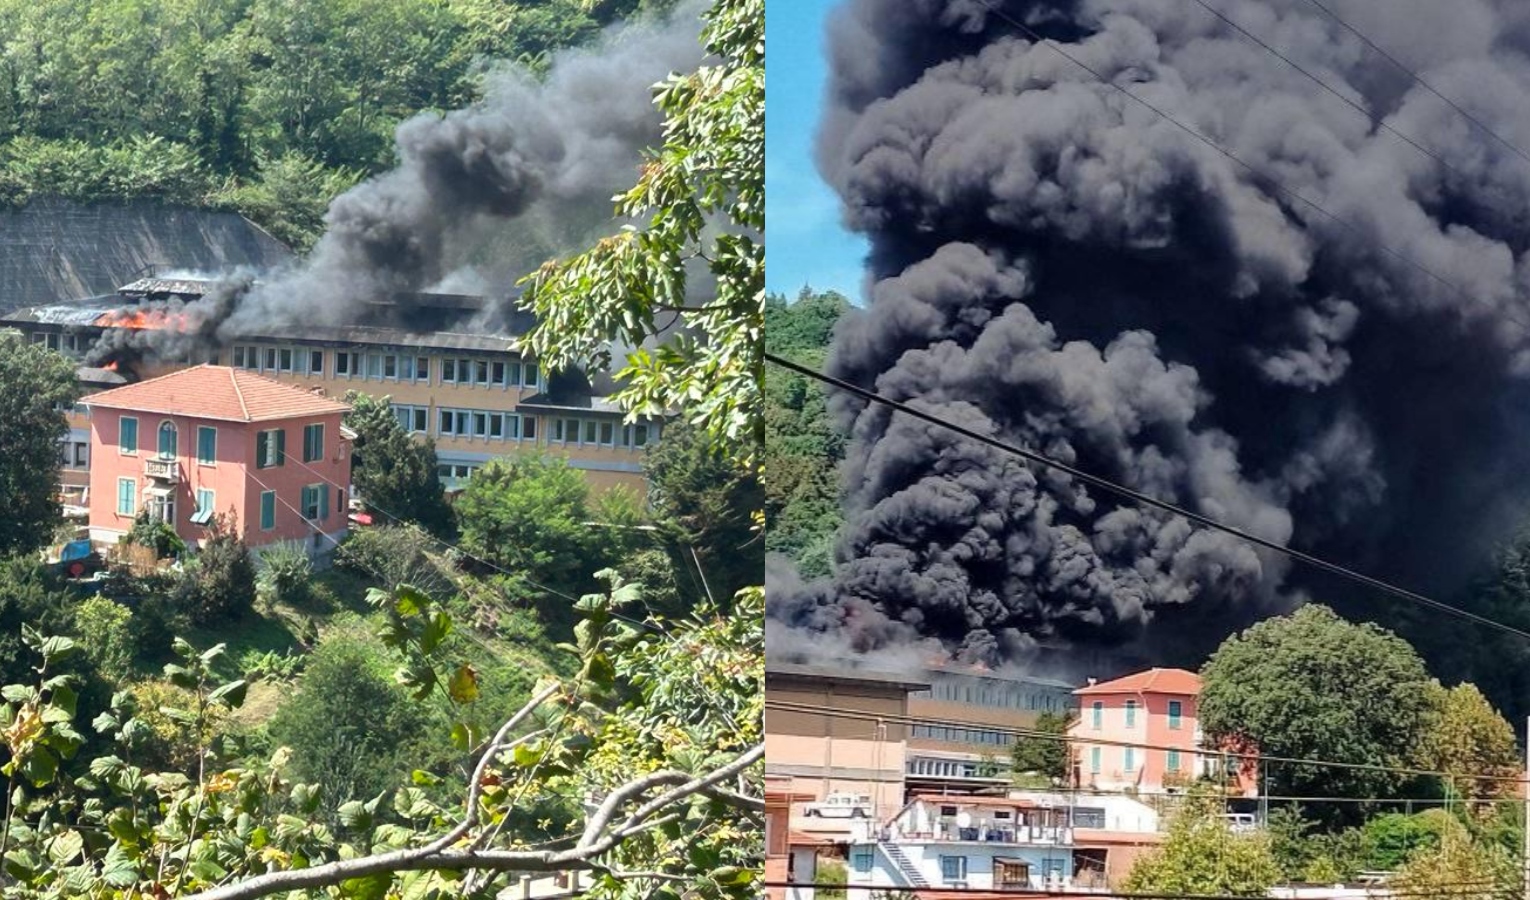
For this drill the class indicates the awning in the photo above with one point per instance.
(202, 516)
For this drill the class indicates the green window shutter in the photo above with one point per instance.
(323, 502)
(268, 510)
(207, 444)
(127, 437)
(281, 447)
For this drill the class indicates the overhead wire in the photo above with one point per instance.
(1458, 890)
(1141, 498)
(1262, 180)
(1419, 80)
(1348, 101)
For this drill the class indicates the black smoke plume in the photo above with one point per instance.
(1060, 267)
(480, 195)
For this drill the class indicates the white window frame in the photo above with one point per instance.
(137, 436)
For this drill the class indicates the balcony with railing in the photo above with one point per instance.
(991, 833)
(163, 470)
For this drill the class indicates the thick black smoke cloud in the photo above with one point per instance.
(1058, 266)
(480, 196)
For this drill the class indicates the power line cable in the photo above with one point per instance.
(1419, 80)
(1262, 181)
(1143, 499)
(1348, 101)
(902, 719)
(1459, 890)
(466, 555)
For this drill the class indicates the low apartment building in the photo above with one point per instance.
(212, 440)
(969, 756)
(468, 391)
(1141, 733)
(960, 843)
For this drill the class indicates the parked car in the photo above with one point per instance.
(1240, 822)
(841, 806)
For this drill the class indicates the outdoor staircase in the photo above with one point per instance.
(910, 872)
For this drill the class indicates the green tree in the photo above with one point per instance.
(1392, 838)
(219, 584)
(1044, 756)
(105, 634)
(700, 197)
(1457, 867)
(1313, 685)
(36, 384)
(394, 471)
(1467, 737)
(530, 515)
(706, 501)
(1202, 856)
(350, 728)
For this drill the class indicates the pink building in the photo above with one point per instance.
(1141, 732)
(219, 440)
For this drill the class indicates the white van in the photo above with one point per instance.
(841, 806)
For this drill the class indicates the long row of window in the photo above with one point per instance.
(1130, 758)
(1097, 714)
(313, 502)
(270, 445)
(962, 735)
(494, 425)
(386, 366)
(989, 693)
(952, 768)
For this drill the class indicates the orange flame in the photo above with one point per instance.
(142, 319)
(111, 366)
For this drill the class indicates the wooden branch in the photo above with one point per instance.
(436, 856)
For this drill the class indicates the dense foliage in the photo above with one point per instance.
(1311, 685)
(393, 470)
(1043, 756)
(35, 387)
(1201, 856)
(267, 107)
(803, 449)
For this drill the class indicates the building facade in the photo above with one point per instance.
(471, 393)
(210, 441)
(1141, 733)
(946, 756)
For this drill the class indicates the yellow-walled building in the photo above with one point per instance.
(469, 392)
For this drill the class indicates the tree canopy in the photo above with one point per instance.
(36, 386)
(392, 470)
(1313, 685)
(1201, 856)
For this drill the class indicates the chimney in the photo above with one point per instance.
(1093, 682)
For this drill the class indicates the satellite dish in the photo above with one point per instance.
(963, 819)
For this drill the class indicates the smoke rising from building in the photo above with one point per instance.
(480, 195)
(1057, 266)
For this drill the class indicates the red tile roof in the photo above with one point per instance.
(217, 392)
(1153, 681)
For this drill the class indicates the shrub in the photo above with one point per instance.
(351, 729)
(175, 742)
(156, 535)
(105, 633)
(395, 555)
(220, 585)
(285, 574)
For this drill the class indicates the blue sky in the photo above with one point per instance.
(804, 241)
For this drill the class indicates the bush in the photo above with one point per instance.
(395, 555)
(175, 742)
(105, 634)
(219, 584)
(285, 573)
(156, 535)
(351, 729)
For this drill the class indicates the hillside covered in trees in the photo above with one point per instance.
(266, 107)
